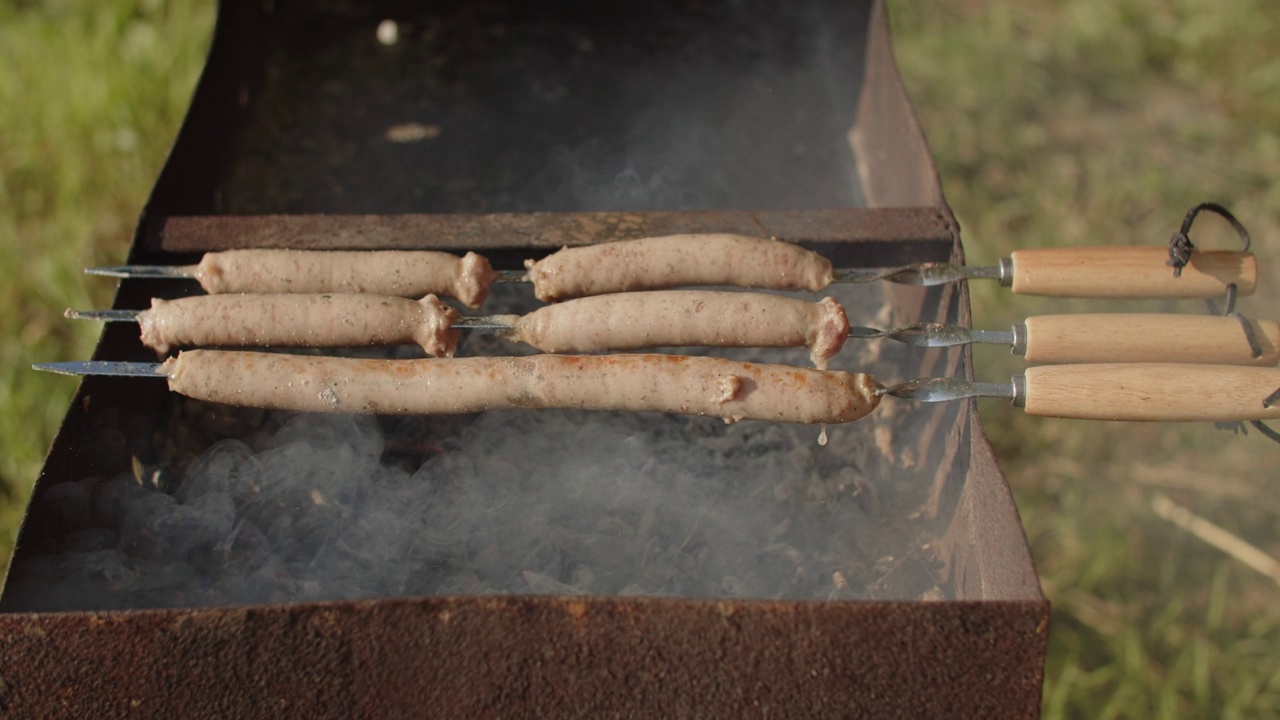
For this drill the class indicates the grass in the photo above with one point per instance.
(1102, 122)
(91, 93)
(1091, 122)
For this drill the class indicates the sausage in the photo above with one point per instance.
(299, 321)
(715, 387)
(630, 321)
(384, 272)
(676, 260)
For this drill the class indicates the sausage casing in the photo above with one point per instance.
(714, 387)
(411, 274)
(678, 260)
(630, 321)
(299, 321)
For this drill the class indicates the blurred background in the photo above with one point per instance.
(1090, 122)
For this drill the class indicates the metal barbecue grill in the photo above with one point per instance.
(513, 129)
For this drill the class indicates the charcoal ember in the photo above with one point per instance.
(71, 503)
(909, 577)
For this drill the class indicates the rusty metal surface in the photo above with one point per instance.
(895, 167)
(231, 79)
(979, 656)
(530, 657)
(853, 236)
(986, 539)
(502, 106)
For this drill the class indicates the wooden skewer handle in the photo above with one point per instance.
(1130, 272)
(1136, 337)
(1152, 391)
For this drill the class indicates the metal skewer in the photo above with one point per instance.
(1080, 338)
(1106, 272)
(104, 368)
(924, 274)
(928, 274)
(489, 324)
(917, 335)
(921, 389)
(947, 389)
(1112, 391)
(177, 272)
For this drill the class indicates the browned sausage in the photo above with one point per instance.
(385, 272)
(678, 260)
(630, 321)
(643, 383)
(299, 321)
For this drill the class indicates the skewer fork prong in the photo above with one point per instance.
(144, 271)
(102, 315)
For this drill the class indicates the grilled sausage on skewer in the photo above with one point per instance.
(631, 321)
(653, 263)
(626, 321)
(642, 383)
(299, 321)
(678, 260)
(385, 272)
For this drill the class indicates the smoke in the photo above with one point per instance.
(319, 507)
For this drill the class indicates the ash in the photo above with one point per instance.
(326, 507)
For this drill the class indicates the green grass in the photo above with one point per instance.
(1091, 122)
(91, 95)
(1102, 122)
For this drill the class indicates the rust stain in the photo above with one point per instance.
(201, 233)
